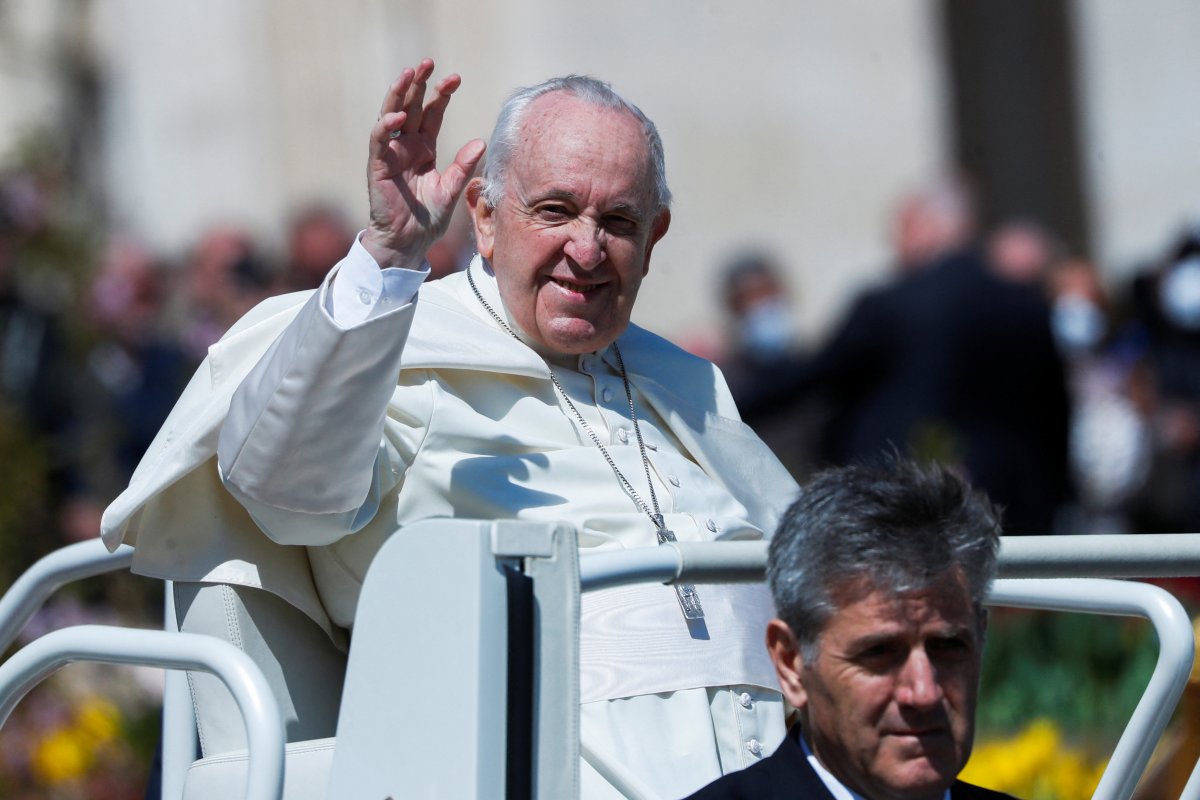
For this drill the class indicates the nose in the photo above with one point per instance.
(918, 685)
(586, 243)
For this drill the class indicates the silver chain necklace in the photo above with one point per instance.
(689, 600)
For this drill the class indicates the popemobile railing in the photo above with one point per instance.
(474, 570)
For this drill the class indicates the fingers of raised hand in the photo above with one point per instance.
(387, 128)
(394, 99)
(431, 121)
(414, 98)
(455, 177)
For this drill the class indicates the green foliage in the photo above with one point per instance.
(1084, 671)
(24, 498)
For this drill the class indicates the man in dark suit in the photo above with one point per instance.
(879, 575)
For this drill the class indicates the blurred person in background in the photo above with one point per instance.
(37, 418)
(1166, 303)
(951, 363)
(32, 382)
(1111, 437)
(134, 372)
(931, 223)
(761, 349)
(1021, 251)
(318, 236)
(224, 277)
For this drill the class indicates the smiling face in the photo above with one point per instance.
(888, 706)
(570, 240)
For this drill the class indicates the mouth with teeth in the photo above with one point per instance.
(578, 288)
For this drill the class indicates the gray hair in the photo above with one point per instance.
(895, 525)
(506, 134)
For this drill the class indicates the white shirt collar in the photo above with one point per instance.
(836, 787)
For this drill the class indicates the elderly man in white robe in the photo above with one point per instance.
(517, 389)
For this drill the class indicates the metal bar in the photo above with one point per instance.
(178, 717)
(1140, 555)
(661, 564)
(1147, 555)
(1171, 671)
(49, 573)
(1191, 791)
(112, 645)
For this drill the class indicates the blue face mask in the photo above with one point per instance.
(766, 328)
(1179, 294)
(1077, 323)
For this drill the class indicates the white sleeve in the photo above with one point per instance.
(357, 289)
(302, 445)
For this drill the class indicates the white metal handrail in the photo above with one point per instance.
(1148, 555)
(260, 711)
(1176, 648)
(48, 574)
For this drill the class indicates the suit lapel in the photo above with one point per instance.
(791, 776)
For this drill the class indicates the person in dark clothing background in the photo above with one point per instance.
(949, 362)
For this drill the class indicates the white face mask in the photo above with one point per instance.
(766, 328)
(1077, 323)
(1179, 294)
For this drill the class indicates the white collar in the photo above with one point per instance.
(835, 787)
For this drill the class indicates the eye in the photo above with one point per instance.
(620, 225)
(879, 656)
(950, 647)
(553, 212)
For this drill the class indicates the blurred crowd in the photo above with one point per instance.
(1074, 400)
(99, 335)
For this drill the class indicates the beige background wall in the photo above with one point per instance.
(792, 126)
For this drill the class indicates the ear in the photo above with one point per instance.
(789, 666)
(483, 217)
(658, 229)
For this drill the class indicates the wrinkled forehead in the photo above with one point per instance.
(946, 595)
(570, 136)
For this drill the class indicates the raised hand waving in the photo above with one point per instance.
(411, 202)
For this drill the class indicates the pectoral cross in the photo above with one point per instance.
(689, 599)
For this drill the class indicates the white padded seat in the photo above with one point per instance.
(306, 673)
(307, 767)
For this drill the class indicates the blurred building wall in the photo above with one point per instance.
(1141, 65)
(790, 126)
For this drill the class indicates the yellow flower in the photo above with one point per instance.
(98, 719)
(1034, 764)
(61, 756)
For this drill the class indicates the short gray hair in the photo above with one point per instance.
(896, 525)
(506, 134)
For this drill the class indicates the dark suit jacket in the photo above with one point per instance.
(787, 775)
(954, 363)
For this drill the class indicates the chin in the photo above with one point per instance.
(577, 336)
(919, 779)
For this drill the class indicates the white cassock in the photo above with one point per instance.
(326, 449)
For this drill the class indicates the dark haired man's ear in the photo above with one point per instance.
(784, 651)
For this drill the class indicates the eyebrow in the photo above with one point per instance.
(632, 209)
(873, 639)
